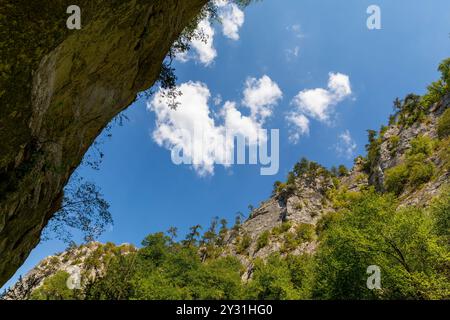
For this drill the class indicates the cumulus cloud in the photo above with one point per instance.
(232, 19)
(203, 50)
(299, 126)
(346, 146)
(318, 103)
(260, 96)
(193, 129)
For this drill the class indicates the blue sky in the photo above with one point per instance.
(297, 45)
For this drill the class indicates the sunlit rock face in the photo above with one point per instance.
(308, 201)
(59, 88)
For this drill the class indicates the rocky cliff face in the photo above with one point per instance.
(87, 261)
(311, 199)
(60, 88)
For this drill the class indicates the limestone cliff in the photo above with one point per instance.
(87, 261)
(59, 88)
(310, 198)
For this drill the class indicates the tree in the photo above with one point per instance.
(402, 243)
(334, 171)
(223, 231)
(192, 236)
(271, 280)
(444, 125)
(342, 170)
(238, 222)
(301, 167)
(55, 288)
(173, 233)
(83, 210)
(397, 105)
(209, 240)
(155, 247)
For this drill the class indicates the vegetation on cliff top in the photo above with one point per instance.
(409, 245)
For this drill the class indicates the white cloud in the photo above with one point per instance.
(291, 54)
(193, 129)
(232, 19)
(217, 100)
(346, 146)
(319, 103)
(202, 50)
(297, 30)
(260, 96)
(299, 126)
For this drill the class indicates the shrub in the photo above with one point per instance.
(305, 232)
(411, 111)
(373, 150)
(420, 173)
(440, 211)
(283, 228)
(439, 88)
(263, 240)
(326, 221)
(55, 288)
(243, 244)
(394, 141)
(278, 187)
(444, 125)
(444, 153)
(421, 145)
(290, 243)
(342, 171)
(396, 179)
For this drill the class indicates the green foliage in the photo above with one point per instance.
(342, 171)
(284, 227)
(410, 245)
(416, 170)
(280, 278)
(439, 88)
(440, 211)
(84, 210)
(243, 243)
(55, 288)
(305, 232)
(421, 145)
(325, 222)
(412, 110)
(272, 280)
(164, 269)
(394, 142)
(403, 243)
(340, 197)
(263, 240)
(420, 173)
(292, 240)
(444, 125)
(373, 150)
(396, 178)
